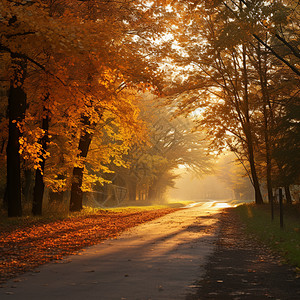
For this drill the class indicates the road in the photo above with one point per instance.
(161, 259)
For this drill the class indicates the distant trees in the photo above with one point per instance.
(171, 143)
(233, 174)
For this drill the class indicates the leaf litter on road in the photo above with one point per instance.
(24, 248)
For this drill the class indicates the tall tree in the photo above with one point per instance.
(229, 87)
(131, 61)
(219, 85)
(39, 185)
(16, 113)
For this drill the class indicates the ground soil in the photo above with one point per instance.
(244, 268)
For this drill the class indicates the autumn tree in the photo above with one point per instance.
(219, 84)
(287, 147)
(129, 63)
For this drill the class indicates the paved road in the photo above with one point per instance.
(157, 260)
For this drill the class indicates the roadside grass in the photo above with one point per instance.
(285, 241)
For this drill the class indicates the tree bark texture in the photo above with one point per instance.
(248, 134)
(288, 194)
(265, 97)
(56, 197)
(16, 112)
(28, 184)
(258, 196)
(76, 192)
(39, 187)
(132, 190)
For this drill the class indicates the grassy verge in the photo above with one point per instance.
(286, 241)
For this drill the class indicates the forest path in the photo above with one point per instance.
(157, 260)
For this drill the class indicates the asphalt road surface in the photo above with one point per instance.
(161, 259)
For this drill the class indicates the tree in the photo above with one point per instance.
(16, 112)
(219, 84)
(131, 63)
(25, 28)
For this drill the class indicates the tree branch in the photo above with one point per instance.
(293, 68)
(19, 34)
(295, 51)
(4, 48)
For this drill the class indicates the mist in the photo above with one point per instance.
(188, 187)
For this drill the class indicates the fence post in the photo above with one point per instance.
(272, 206)
(280, 208)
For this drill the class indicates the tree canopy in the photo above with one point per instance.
(73, 74)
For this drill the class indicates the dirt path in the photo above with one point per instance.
(242, 268)
(157, 260)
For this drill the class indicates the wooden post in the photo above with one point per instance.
(280, 208)
(272, 207)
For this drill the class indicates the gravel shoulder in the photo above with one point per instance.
(243, 268)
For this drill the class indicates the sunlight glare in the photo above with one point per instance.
(223, 205)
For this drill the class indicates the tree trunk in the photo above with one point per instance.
(16, 112)
(265, 96)
(152, 191)
(28, 180)
(76, 192)
(258, 196)
(248, 134)
(56, 197)
(132, 190)
(38, 192)
(288, 194)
